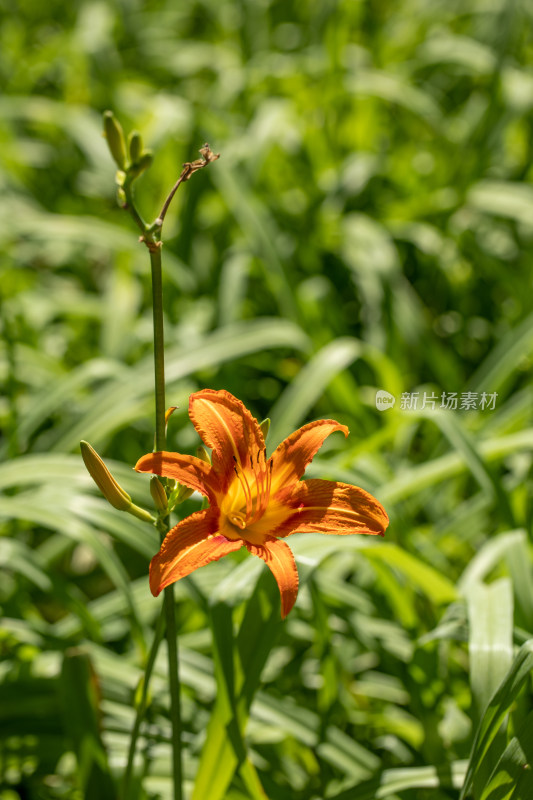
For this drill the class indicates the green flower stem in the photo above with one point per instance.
(143, 702)
(131, 207)
(151, 237)
(140, 513)
(154, 247)
(173, 673)
(159, 345)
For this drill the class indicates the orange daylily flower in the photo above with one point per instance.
(253, 499)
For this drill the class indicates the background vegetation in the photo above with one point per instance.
(368, 226)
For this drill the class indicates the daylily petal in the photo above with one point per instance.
(293, 455)
(189, 470)
(279, 559)
(190, 544)
(331, 507)
(226, 426)
(253, 499)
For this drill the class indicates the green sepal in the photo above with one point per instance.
(265, 427)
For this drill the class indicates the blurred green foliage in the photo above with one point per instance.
(368, 226)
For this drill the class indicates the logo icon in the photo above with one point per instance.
(384, 400)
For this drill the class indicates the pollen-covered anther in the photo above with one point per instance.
(237, 520)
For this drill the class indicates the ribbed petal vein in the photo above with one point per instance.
(192, 543)
(189, 470)
(293, 455)
(332, 507)
(226, 426)
(279, 559)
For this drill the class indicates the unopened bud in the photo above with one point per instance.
(158, 494)
(112, 491)
(121, 197)
(115, 139)
(203, 455)
(145, 161)
(183, 494)
(168, 413)
(135, 143)
(265, 427)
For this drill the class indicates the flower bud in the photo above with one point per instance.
(265, 427)
(183, 494)
(115, 139)
(168, 413)
(112, 491)
(158, 494)
(135, 144)
(203, 455)
(145, 161)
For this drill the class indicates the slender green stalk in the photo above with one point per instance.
(159, 346)
(151, 237)
(160, 441)
(141, 708)
(132, 208)
(173, 673)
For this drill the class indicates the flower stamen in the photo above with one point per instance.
(241, 476)
(262, 482)
(237, 520)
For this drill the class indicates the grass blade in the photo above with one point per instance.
(512, 778)
(495, 712)
(490, 615)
